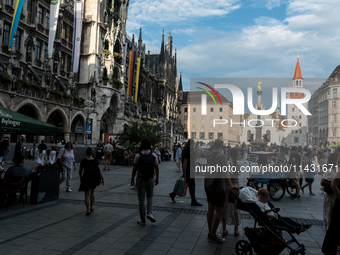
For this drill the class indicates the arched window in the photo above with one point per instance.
(106, 45)
(320, 136)
(105, 72)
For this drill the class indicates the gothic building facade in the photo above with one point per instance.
(46, 89)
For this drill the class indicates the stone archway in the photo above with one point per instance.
(77, 129)
(57, 119)
(30, 111)
(108, 120)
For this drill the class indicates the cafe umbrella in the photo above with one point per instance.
(13, 122)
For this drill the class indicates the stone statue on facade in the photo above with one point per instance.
(259, 86)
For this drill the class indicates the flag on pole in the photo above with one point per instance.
(139, 67)
(125, 52)
(15, 21)
(54, 12)
(77, 25)
(131, 72)
(171, 130)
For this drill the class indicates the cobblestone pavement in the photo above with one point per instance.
(61, 227)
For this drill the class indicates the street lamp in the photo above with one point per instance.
(88, 109)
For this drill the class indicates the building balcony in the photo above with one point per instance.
(333, 96)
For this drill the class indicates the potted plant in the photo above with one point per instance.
(45, 184)
(118, 57)
(119, 156)
(107, 53)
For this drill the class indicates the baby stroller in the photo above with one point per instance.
(266, 238)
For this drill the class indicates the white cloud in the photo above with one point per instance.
(160, 11)
(269, 47)
(272, 4)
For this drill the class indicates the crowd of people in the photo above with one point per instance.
(145, 175)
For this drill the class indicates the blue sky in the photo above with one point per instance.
(243, 38)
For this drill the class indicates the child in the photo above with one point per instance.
(293, 226)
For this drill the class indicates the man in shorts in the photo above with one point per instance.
(295, 163)
(214, 185)
(108, 154)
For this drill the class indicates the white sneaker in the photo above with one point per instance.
(150, 217)
(140, 222)
(68, 190)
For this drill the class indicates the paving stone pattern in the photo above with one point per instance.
(61, 227)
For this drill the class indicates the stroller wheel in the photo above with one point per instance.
(243, 247)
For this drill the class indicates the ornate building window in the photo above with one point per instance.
(40, 15)
(6, 35)
(47, 20)
(193, 135)
(62, 61)
(18, 40)
(211, 135)
(45, 51)
(37, 49)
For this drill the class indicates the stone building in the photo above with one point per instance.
(323, 124)
(49, 91)
(201, 127)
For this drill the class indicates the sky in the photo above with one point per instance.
(243, 38)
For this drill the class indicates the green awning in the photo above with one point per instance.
(11, 121)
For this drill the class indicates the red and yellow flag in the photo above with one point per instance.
(131, 72)
(139, 63)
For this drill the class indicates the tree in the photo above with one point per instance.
(135, 132)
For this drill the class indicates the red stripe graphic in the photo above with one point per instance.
(212, 90)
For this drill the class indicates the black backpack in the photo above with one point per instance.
(146, 164)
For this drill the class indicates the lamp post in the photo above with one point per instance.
(88, 109)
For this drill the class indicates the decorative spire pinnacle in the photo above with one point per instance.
(140, 35)
(180, 87)
(297, 74)
(162, 56)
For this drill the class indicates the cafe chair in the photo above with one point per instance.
(14, 185)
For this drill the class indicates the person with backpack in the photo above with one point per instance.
(145, 165)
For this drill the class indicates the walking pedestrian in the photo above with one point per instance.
(295, 164)
(42, 151)
(90, 177)
(145, 165)
(231, 215)
(66, 156)
(331, 241)
(186, 155)
(309, 175)
(99, 150)
(53, 152)
(178, 157)
(328, 195)
(108, 148)
(19, 150)
(214, 185)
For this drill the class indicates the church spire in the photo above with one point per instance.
(297, 74)
(140, 36)
(180, 87)
(162, 57)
